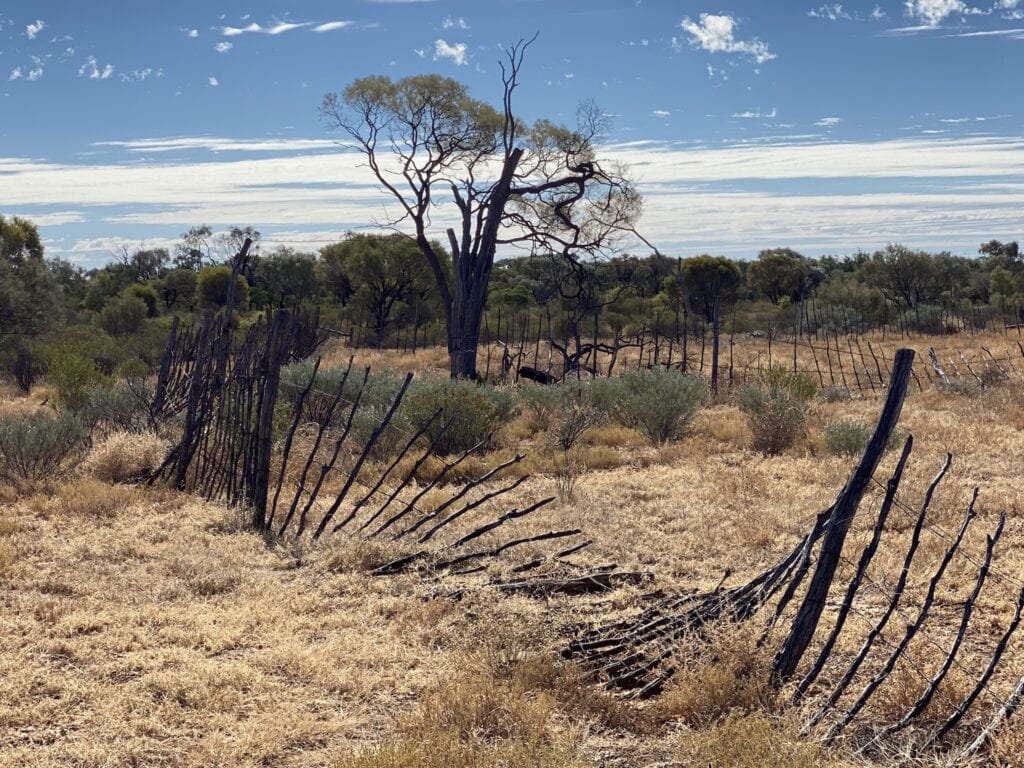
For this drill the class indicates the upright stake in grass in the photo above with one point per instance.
(806, 621)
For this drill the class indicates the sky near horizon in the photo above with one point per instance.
(828, 128)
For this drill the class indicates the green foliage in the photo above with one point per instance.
(658, 402)
(177, 289)
(776, 408)
(212, 286)
(382, 278)
(122, 316)
(28, 291)
(119, 405)
(475, 411)
(781, 273)
(284, 278)
(39, 446)
(74, 375)
(846, 438)
(148, 294)
(20, 358)
(849, 438)
(710, 283)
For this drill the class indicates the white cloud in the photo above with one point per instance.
(829, 122)
(34, 74)
(833, 12)
(34, 29)
(757, 114)
(16, 74)
(878, 14)
(213, 81)
(1015, 34)
(235, 31)
(277, 29)
(963, 190)
(286, 26)
(420, 52)
(93, 71)
(455, 51)
(661, 113)
(138, 75)
(193, 33)
(456, 23)
(56, 218)
(223, 46)
(934, 12)
(716, 34)
(218, 144)
(330, 26)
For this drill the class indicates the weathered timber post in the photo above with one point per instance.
(277, 351)
(806, 621)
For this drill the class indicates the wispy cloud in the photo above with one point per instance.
(138, 75)
(193, 33)
(661, 113)
(833, 12)
(829, 122)
(757, 114)
(34, 29)
(217, 144)
(94, 71)
(1014, 34)
(330, 26)
(732, 197)
(454, 23)
(455, 52)
(223, 46)
(213, 81)
(280, 27)
(716, 34)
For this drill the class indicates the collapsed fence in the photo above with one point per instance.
(310, 475)
(835, 689)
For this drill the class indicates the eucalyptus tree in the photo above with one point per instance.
(493, 179)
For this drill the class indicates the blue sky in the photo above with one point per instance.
(826, 128)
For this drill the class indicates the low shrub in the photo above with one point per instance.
(474, 410)
(658, 402)
(542, 403)
(119, 405)
(776, 408)
(39, 446)
(125, 456)
(846, 438)
(74, 376)
(850, 438)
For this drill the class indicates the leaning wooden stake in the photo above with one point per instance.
(806, 621)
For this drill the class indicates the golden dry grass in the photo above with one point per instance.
(142, 627)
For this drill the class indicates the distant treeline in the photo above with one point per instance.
(379, 291)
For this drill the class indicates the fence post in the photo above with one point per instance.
(277, 351)
(806, 621)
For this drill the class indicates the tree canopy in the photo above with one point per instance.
(429, 144)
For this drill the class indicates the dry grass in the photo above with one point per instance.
(142, 627)
(123, 456)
